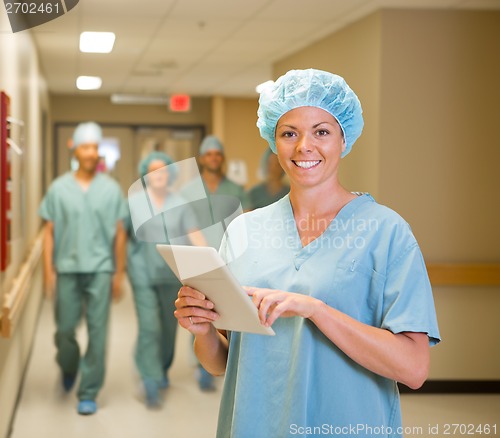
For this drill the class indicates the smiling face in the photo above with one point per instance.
(309, 143)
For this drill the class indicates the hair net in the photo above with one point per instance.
(211, 142)
(159, 156)
(88, 132)
(298, 88)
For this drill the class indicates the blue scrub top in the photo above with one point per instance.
(84, 222)
(366, 264)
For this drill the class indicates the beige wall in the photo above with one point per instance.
(242, 140)
(439, 129)
(77, 108)
(20, 78)
(428, 83)
(439, 164)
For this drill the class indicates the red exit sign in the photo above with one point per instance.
(180, 103)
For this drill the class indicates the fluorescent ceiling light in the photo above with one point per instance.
(138, 99)
(259, 88)
(88, 82)
(97, 42)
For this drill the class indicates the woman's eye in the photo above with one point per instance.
(288, 134)
(322, 132)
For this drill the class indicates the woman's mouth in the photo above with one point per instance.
(306, 164)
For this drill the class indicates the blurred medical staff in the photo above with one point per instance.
(154, 284)
(225, 200)
(84, 262)
(273, 187)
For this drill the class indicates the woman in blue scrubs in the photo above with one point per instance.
(340, 278)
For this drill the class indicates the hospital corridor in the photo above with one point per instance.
(249, 219)
(45, 411)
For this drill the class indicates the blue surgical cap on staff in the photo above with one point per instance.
(211, 142)
(159, 156)
(88, 132)
(316, 88)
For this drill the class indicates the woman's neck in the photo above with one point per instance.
(320, 201)
(315, 208)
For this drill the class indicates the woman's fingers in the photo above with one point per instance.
(273, 304)
(194, 311)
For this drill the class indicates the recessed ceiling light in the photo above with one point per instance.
(88, 82)
(97, 42)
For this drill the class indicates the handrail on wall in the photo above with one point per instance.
(14, 299)
(440, 274)
(461, 274)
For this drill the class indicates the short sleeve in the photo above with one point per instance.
(122, 207)
(408, 301)
(46, 210)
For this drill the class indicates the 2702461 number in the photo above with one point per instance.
(32, 8)
(469, 429)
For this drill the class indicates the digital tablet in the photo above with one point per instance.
(202, 268)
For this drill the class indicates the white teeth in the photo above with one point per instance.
(306, 164)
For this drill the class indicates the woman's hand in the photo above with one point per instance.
(194, 311)
(273, 304)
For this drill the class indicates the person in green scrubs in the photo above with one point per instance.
(84, 262)
(154, 284)
(273, 187)
(221, 194)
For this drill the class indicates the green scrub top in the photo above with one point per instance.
(216, 209)
(228, 187)
(145, 265)
(259, 196)
(84, 222)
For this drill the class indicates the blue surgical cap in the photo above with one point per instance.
(316, 88)
(88, 132)
(211, 142)
(159, 156)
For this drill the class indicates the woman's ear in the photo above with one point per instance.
(343, 145)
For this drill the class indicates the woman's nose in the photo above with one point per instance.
(304, 144)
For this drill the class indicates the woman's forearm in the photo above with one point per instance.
(403, 357)
(211, 350)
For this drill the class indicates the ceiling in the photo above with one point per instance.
(198, 47)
